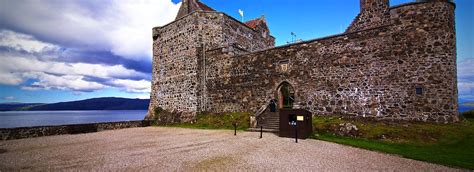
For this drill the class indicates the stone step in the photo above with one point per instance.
(264, 130)
(271, 119)
(275, 128)
(270, 123)
(271, 126)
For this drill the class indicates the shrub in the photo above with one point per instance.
(157, 110)
(155, 119)
(468, 114)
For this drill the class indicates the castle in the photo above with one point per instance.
(392, 63)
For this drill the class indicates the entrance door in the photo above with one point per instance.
(286, 96)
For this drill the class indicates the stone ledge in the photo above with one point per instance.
(40, 131)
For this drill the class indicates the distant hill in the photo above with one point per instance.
(16, 106)
(106, 103)
(466, 106)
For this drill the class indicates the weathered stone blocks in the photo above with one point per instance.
(393, 63)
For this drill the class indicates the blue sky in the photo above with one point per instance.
(52, 51)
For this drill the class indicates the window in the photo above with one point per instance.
(419, 91)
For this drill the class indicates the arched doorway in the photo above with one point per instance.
(286, 96)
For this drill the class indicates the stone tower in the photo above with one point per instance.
(373, 13)
(179, 55)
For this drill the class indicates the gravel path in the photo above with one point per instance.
(176, 149)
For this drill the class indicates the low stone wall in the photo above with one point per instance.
(29, 132)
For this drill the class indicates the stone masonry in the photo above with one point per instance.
(392, 63)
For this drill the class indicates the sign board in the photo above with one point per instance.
(300, 118)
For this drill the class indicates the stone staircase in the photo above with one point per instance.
(270, 122)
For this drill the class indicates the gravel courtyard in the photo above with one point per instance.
(176, 149)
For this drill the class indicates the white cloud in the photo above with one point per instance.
(143, 96)
(465, 69)
(30, 88)
(16, 68)
(466, 88)
(466, 79)
(9, 98)
(18, 64)
(9, 78)
(66, 82)
(134, 37)
(49, 27)
(142, 86)
(120, 26)
(22, 42)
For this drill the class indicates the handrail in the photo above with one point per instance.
(261, 110)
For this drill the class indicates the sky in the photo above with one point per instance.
(56, 50)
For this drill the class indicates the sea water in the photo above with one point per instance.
(12, 119)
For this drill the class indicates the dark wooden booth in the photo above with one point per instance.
(291, 118)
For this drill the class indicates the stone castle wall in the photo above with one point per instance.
(370, 73)
(179, 50)
(243, 37)
(373, 70)
(40, 131)
(174, 61)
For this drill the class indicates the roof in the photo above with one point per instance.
(252, 23)
(204, 7)
(255, 22)
(189, 6)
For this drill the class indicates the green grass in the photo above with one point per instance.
(447, 144)
(218, 121)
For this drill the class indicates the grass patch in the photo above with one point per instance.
(447, 144)
(218, 121)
